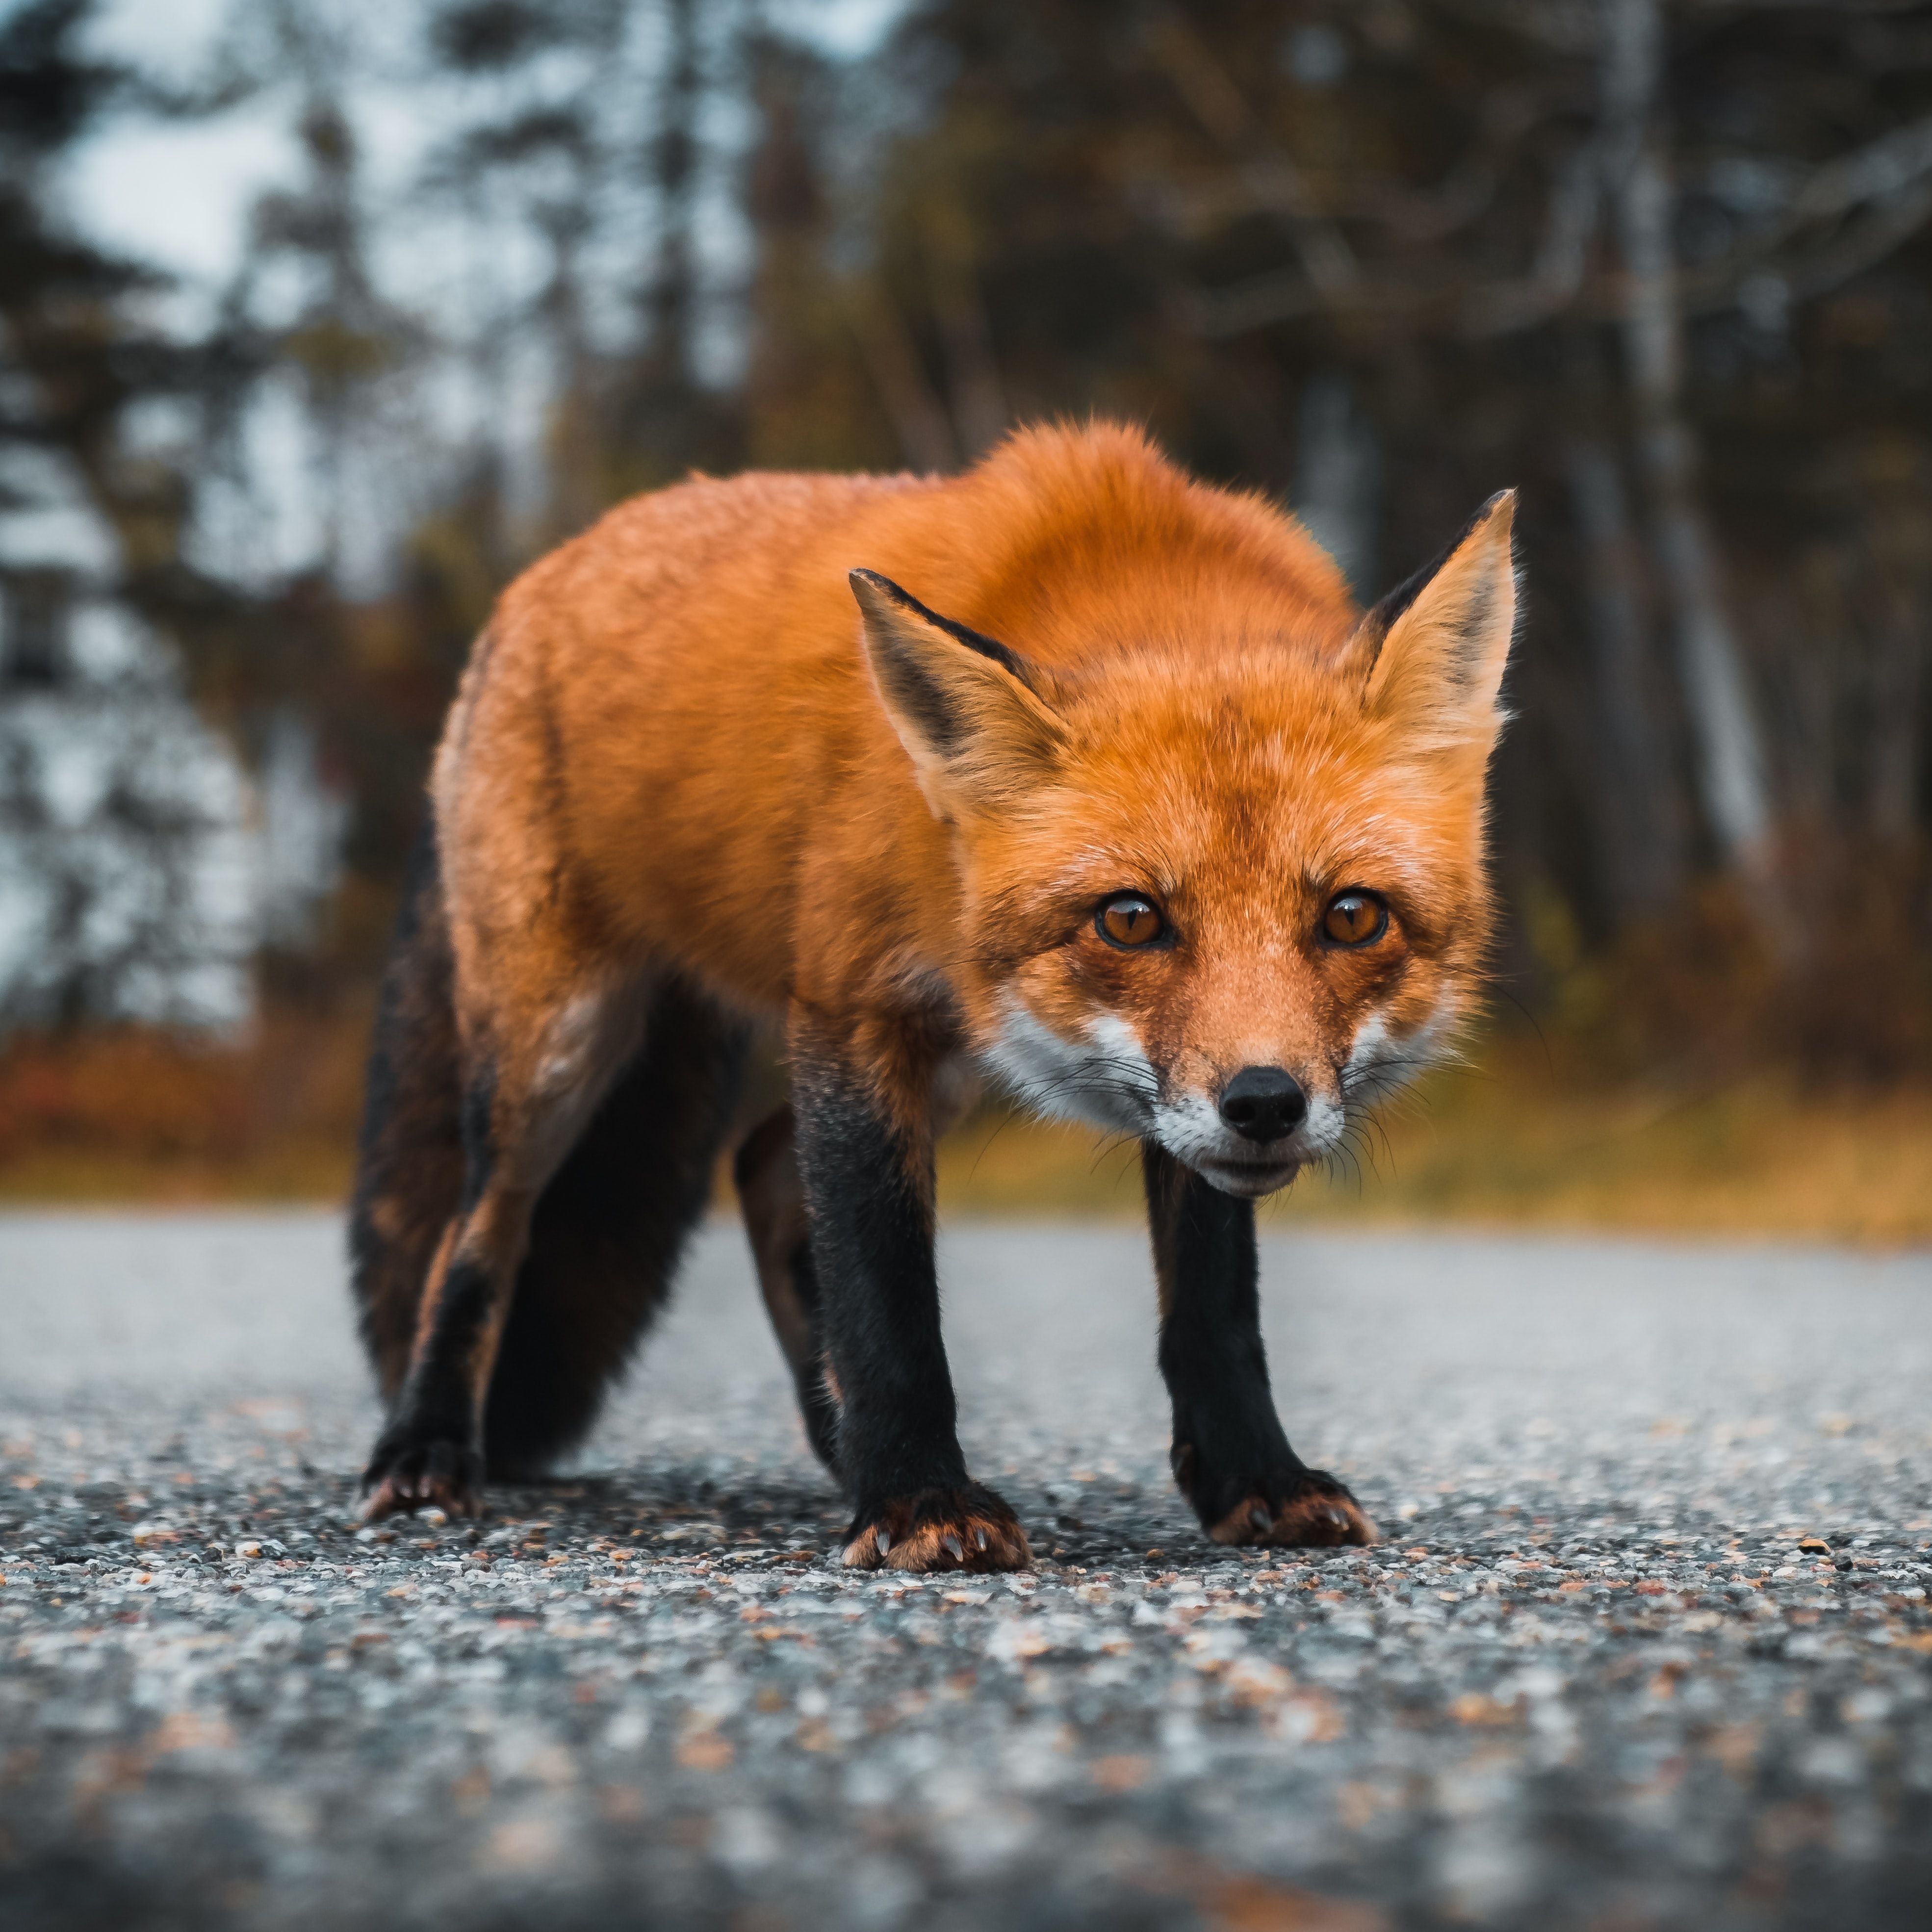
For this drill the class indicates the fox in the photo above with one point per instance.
(1071, 772)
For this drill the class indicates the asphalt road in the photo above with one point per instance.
(1647, 1644)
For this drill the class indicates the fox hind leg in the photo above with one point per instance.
(532, 1074)
(409, 1165)
(772, 1197)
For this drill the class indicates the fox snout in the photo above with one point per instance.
(1265, 1128)
(1251, 1131)
(1263, 1103)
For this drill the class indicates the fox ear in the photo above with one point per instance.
(1436, 647)
(965, 706)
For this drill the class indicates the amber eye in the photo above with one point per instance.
(1354, 919)
(1128, 920)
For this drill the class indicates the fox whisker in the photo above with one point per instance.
(1115, 1145)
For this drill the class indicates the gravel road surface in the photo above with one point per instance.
(1647, 1643)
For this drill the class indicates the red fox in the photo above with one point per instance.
(1070, 770)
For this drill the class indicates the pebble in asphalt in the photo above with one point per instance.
(1646, 1645)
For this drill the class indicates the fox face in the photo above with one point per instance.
(1223, 894)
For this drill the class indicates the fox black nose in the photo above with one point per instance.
(1263, 1103)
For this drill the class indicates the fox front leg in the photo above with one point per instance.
(1230, 1457)
(868, 1176)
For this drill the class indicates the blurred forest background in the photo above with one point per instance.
(1664, 265)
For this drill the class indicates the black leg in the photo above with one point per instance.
(815, 1405)
(430, 1450)
(1231, 1458)
(772, 1197)
(869, 1189)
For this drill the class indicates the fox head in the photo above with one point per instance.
(1222, 887)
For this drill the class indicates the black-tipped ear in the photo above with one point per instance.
(965, 706)
(1435, 649)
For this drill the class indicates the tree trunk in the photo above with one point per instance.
(924, 434)
(1898, 705)
(1732, 770)
(1642, 833)
(1338, 477)
(673, 293)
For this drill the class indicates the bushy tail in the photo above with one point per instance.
(409, 1159)
(608, 1230)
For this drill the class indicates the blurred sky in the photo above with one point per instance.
(176, 193)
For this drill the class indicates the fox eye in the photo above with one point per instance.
(1129, 920)
(1354, 919)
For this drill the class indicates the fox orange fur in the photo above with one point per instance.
(1070, 771)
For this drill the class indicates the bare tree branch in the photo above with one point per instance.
(1278, 184)
(926, 437)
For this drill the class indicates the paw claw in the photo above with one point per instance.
(1305, 1509)
(403, 1477)
(930, 1531)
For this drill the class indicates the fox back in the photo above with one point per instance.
(1073, 674)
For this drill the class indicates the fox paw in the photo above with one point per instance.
(406, 1476)
(1306, 1510)
(968, 1528)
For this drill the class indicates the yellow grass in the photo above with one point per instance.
(1507, 1143)
(298, 1169)
(1517, 1140)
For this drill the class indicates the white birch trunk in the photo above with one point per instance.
(1732, 774)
